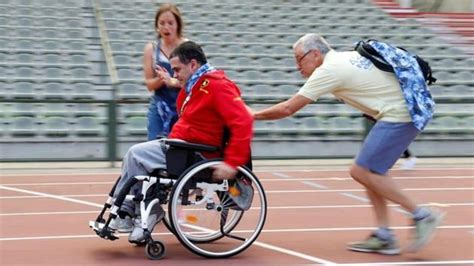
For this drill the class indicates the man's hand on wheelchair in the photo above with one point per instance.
(223, 171)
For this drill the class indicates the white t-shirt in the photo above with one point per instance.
(356, 81)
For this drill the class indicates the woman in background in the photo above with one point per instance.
(158, 73)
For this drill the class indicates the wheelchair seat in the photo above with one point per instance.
(182, 154)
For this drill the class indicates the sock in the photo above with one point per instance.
(384, 233)
(420, 214)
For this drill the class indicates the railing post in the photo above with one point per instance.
(112, 132)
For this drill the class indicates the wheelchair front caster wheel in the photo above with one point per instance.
(155, 250)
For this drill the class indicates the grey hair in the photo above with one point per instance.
(313, 41)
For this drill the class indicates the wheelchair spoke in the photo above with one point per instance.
(210, 223)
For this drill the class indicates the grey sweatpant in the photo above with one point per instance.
(140, 159)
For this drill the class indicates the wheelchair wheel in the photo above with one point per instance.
(206, 238)
(166, 219)
(207, 221)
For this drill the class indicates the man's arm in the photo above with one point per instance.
(283, 109)
(239, 121)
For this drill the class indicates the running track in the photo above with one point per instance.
(311, 215)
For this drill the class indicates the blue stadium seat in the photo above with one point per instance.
(313, 125)
(24, 109)
(24, 90)
(88, 127)
(23, 126)
(264, 127)
(55, 109)
(82, 90)
(131, 110)
(135, 126)
(287, 125)
(131, 91)
(56, 126)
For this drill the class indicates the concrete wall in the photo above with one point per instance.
(439, 5)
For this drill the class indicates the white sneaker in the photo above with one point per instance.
(124, 225)
(409, 163)
(425, 229)
(137, 236)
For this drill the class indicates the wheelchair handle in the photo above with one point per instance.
(181, 144)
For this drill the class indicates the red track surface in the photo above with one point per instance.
(311, 216)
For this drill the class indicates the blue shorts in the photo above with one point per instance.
(384, 144)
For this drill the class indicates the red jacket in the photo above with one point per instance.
(215, 103)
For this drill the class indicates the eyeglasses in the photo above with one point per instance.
(298, 61)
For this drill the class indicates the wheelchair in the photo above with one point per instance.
(213, 219)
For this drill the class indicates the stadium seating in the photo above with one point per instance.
(55, 84)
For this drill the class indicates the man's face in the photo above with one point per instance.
(182, 72)
(307, 62)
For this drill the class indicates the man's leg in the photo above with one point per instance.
(382, 185)
(382, 240)
(425, 220)
(379, 204)
(382, 147)
(140, 159)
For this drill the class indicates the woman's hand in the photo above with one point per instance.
(163, 75)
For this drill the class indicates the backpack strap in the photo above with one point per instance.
(365, 50)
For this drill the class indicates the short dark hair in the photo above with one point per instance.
(189, 50)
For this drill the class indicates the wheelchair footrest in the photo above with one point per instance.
(102, 231)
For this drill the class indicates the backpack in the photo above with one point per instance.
(365, 50)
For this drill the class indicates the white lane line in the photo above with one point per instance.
(51, 196)
(310, 183)
(65, 237)
(444, 205)
(68, 196)
(359, 198)
(59, 184)
(364, 199)
(264, 245)
(34, 175)
(306, 182)
(280, 171)
(286, 230)
(341, 191)
(313, 184)
(264, 231)
(285, 178)
(200, 229)
(363, 190)
(46, 213)
(288, 178)
(294, 253)
(439, 262)
(346, 169)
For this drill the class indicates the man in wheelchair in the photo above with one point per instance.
(207, 103)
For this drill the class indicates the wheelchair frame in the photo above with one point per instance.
(175, 192)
